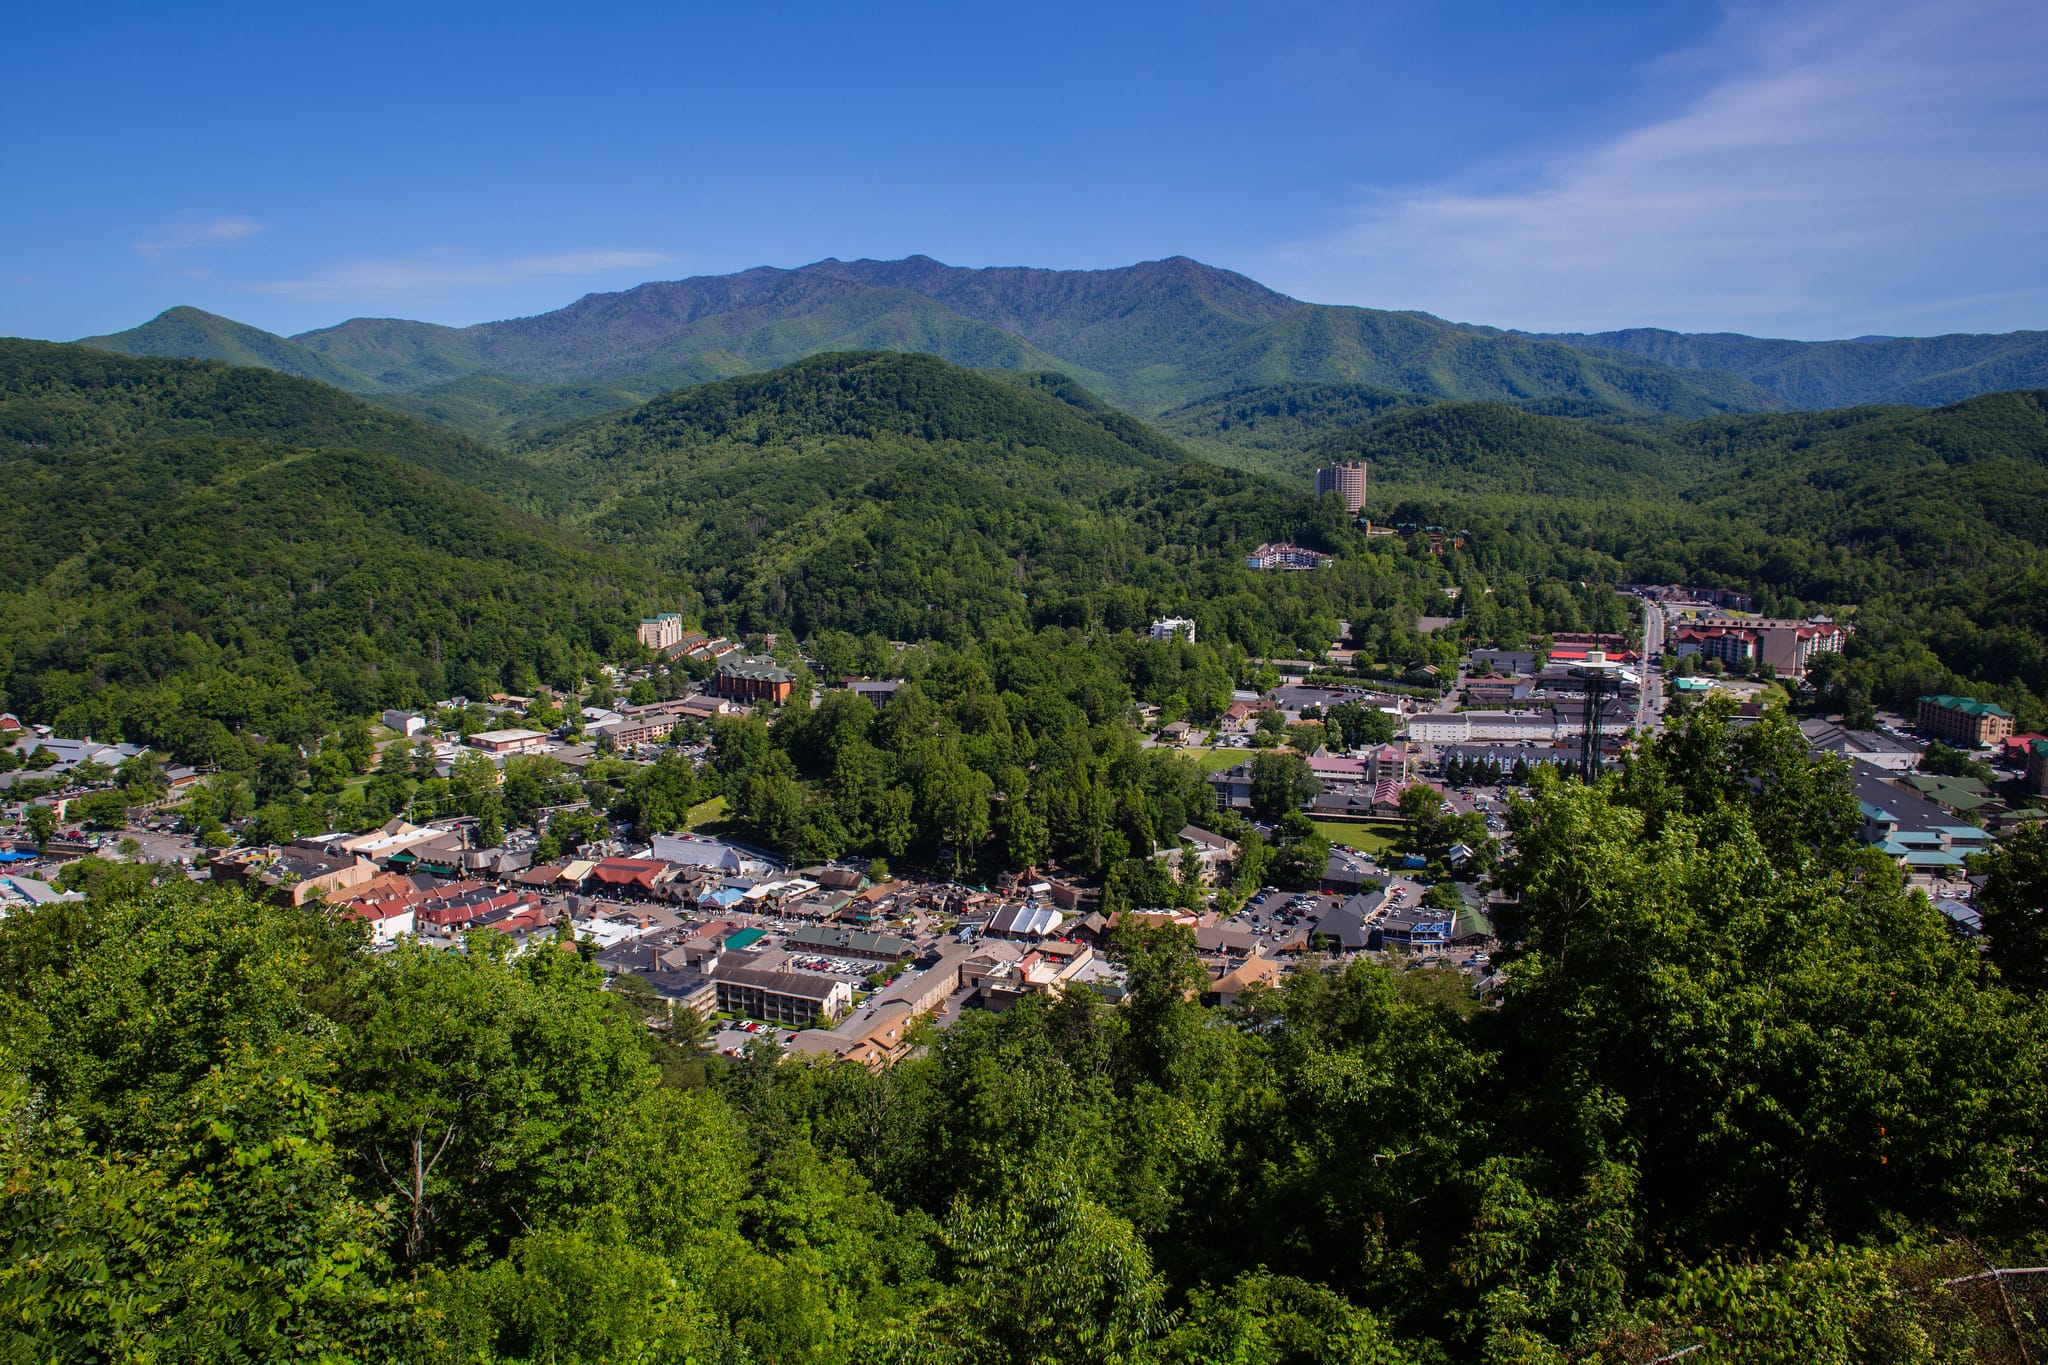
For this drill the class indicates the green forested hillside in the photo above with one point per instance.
(1289, 418)
(898, 495)
(1147, 337)
(510, 413)
(1927, 527)
(1490, 448)
(198, 551)
(1837, 374)
(72, 397)
(194, 334)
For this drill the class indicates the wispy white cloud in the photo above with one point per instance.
(1845, 166)
(190, 234)
(430, 276)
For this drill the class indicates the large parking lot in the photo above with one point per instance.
(837, 966)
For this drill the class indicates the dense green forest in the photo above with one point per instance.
(1148, 337)
(1742, 1096)
(900, 495)
(199, 553)
(1840, 374)
(1151, 337)
(1741, 1093)
(195, 521)
(218, 553)
(1923, 527)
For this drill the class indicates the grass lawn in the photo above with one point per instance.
(712, 820)
(1216, 760)
(1372, 839)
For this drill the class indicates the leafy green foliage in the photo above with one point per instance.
(1737, 1075)
(203, 561)
(1149, 337)
(1838, 374)
(194, 334)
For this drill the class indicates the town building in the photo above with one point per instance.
(878, 692)
(70, 753)
(703, 706)
(1964, 721)
(634, 877)
(1254, 970)
(1283, 554)
(2037, 767)
(406, 723)
(747, 986)
(874, 1037)
(1567, 720)
(1347, 480)
(1890, 752)
(1213, 851)
(628, 731)
(1925, 838)
(838, 941)
(668, 970)
(1505, 660)
(508, 741)
(1026, 921)
(661, 632)
(1735, 646)
(296, 873)
(1168, 627)
(1498, 690)
(754, 678)
(1426, 929)
(1788, 647)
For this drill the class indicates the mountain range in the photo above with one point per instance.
(1148, 338)
(271, 524)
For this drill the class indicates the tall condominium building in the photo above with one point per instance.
(659, 632)
(1347, 479)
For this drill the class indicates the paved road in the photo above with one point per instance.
(1650, 708)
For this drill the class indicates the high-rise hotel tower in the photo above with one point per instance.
(1347, 479)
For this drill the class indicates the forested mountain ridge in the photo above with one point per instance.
(65, 397)
(1492, 448)
(201, 551)
(1147, 337)
(864, 394)
(1283, 417)
(897, 493)
(893, 494)
(1150, 337)
(1924, 371)
(195, 334)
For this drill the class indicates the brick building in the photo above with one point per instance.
(754, 678)
(747, 988)
(1787, 646)
(1964, 721)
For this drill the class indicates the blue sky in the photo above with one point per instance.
(1809, 168)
